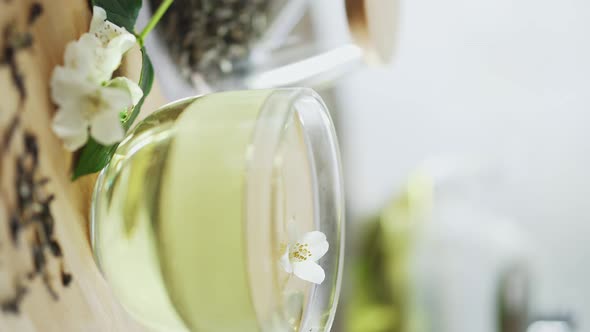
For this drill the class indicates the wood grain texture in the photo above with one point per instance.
(86, 304)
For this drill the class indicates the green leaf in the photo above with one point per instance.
(121, 12)
(95, 156)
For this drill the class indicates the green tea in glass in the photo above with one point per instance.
(225, 212)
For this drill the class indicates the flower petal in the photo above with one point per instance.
(80, 54)
(317, 244)
(99, 16)
(105, 63)
(113, 42)
(115, 99)
(127, 84)
(286, 263)
(110, 34)
(71, 56)
(67, 86)
(74, 142)
(71, 127)
(68, 121)
(121, 43)
(106, 128)
(309, 271)
(91, 60)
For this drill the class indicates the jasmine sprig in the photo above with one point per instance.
(94, 156)
(87, 96)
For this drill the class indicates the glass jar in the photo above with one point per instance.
(192, 218)
(221, 45)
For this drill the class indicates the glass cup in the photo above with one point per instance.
(215, 45)
(202, 203)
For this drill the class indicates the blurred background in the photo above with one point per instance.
(464, 134)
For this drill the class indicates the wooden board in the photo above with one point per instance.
(30, 50)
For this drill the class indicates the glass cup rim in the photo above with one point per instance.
(277, 111)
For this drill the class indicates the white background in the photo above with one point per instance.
(503, 80)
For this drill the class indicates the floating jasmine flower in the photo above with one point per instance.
(302, 253)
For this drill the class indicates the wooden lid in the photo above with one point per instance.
(373, 25)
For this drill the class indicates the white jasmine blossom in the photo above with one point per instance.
(89, 102)
(98, 54)
(88, 106)
(302, 253)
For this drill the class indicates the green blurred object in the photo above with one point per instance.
(383, 298)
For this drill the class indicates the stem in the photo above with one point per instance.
(155, 19)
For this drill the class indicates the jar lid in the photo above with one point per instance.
(373, 25)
